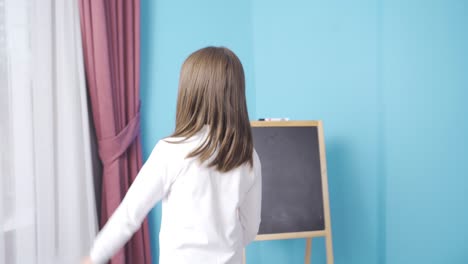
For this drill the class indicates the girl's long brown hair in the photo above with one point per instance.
(212, 92)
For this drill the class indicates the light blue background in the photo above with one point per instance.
(388, 78)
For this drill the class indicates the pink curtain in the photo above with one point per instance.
(111, 43)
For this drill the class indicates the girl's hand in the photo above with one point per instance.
(86, 260)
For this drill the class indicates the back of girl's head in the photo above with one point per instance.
(212, 93)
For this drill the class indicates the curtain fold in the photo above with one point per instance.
(111, 41)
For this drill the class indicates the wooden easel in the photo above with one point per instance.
(308, 235)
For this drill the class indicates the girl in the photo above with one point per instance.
(207, 173)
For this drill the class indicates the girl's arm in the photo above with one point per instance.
(150, 186)
(250, 209)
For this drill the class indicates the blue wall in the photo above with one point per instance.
(390, 81)
(425, 112)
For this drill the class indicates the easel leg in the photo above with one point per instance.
(308, 250)
(329, 247)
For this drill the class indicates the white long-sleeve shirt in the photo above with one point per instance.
(207, 216)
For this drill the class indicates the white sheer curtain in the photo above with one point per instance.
(47, 206)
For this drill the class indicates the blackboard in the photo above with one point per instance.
(292, 195)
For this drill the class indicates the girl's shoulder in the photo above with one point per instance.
(174, 148)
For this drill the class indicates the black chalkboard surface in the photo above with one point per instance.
(292, 199)
(294, 182)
